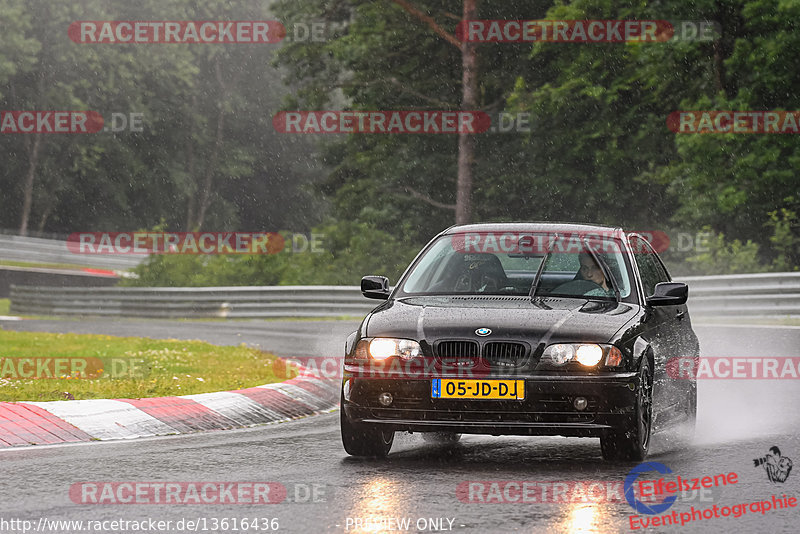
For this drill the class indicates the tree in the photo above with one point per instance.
(406, 58)
(469, 102)
(207, 155)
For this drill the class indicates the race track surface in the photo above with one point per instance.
(420, 486)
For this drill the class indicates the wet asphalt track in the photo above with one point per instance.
(737, 421)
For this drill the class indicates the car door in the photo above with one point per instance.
(680, 342)
(659, 328)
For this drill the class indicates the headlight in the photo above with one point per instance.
(586, 354)
(559, 354)
(381, 348)
(589, 355)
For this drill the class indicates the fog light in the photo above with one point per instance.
(580, 403)
(385, 399)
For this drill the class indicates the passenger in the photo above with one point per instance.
(592, 272)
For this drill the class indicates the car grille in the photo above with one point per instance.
(505, 354)
(458, 354)
(457, 349)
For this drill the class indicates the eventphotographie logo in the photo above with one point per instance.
(777, 467)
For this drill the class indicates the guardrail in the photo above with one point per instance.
(754, 295)
(771, 294)
(38, 250)
(193, 302)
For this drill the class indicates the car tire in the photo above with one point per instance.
(633, 442)
(364, 440)
(441, 437)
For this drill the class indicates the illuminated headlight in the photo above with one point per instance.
(586, 354)
(559, 354)
(589, 355)
(381, 348)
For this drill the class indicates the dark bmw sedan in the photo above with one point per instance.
(527, 329)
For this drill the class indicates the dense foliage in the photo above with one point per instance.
(206, 157)
(598, 150)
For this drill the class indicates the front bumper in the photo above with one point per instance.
(546, 410)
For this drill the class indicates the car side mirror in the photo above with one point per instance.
(669, 294)
(375, 287)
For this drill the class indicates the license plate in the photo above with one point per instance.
(453, 388)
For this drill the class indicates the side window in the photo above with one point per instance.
(649, 267)
(663, 276)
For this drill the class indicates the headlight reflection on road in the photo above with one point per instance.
(378, 501)
(583, 517)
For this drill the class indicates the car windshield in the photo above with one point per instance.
(506, 264)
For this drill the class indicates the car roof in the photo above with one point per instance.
(534, 227)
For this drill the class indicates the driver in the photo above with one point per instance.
(592, 272)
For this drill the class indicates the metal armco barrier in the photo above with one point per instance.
(38, 250)
(193, 302)
(754, 295)
(759, 295)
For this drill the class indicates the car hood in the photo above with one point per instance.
(547, 320)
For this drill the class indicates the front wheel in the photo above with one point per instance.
(633, 442)
(364, 440)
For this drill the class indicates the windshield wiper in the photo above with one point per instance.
(605, 268)
(540, 270)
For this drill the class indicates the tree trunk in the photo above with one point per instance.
(469, 102)
(205, 190)
(190, 200)
(47, 210)
(204, 201)
(30, 176)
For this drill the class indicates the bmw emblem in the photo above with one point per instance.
(483, 332)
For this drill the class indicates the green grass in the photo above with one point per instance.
(72, 266)
(5, 305)
(162, 367)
